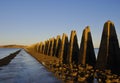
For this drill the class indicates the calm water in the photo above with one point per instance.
(25, 69)
(6, 51)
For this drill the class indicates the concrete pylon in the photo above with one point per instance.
(108, 55)
(49, 46)
(42, 50)
(86, 52)
(58, 44)
(73, 49)
(63, 49)
(46, 47)
(52, 49)
(36, 47)
(41, 45)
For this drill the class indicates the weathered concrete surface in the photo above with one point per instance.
(108, 55)
(52, 49)
(42, 50)
(58, 44)
(46, 46)
(86, 53)
(73, 49)
(63, 49)
(50, 46)
(38, 47)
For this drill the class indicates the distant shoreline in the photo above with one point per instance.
(13, 46)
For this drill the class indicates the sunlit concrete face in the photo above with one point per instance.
(49, 46)
(41, 47)
(63, 49)
(86, 53)
(52, 50)
(58, 45)
(46, 46)
(73, 49)
(109, 55)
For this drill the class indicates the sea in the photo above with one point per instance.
(24, 69)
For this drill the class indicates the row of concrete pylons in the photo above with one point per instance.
(69, 52)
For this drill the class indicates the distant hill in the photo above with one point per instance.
(13, 46)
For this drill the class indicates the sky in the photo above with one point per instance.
(30, 21)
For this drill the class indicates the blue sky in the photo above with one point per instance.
(31, 21)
